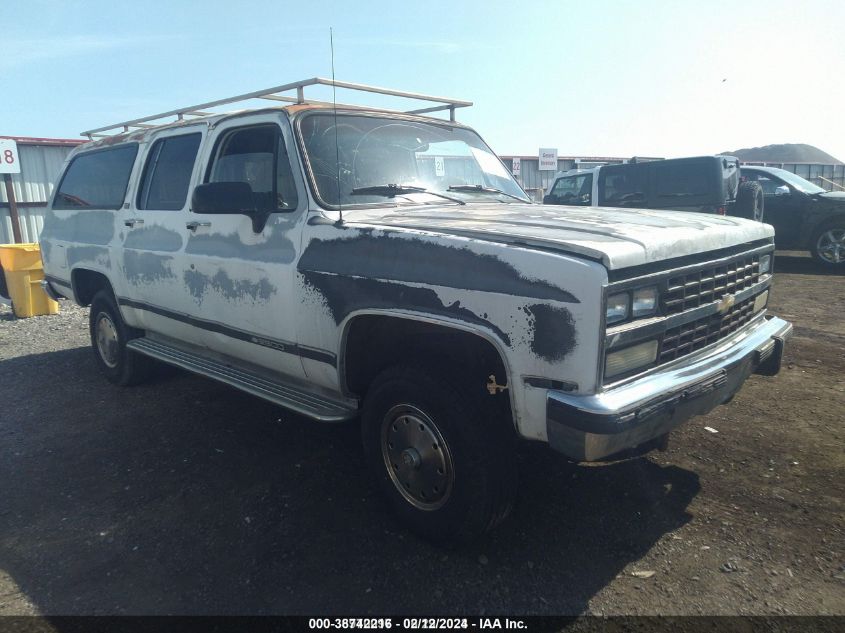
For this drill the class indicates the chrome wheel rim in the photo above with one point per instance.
(417, 457)
(831, 246)
(107, 342)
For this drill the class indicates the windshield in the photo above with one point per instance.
(380, 160)
(798, 182)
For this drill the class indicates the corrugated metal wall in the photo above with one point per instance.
(40, 165)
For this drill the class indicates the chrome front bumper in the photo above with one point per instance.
(591, 427)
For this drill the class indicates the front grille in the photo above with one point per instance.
(692, 336)
(710, 284)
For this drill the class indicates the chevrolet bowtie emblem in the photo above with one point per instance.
(726, 303)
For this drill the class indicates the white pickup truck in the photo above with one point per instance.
(348, 262)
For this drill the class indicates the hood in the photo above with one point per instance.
(619, 238)
(833, 196)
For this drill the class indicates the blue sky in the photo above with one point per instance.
(590, 78)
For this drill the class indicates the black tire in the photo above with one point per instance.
(475, 448)
(749, 201)
(829, 236)
(119, 364)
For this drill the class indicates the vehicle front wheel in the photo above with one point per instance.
(446, 464)
(828, 245)
(109, 335)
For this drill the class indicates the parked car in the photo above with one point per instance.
(805, 216)
(704, 184)
(348, 262)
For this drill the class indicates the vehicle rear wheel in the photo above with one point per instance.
(109, 335)
(828, 245)
(446, 465)
(749, 201)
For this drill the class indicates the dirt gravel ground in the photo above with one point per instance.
(186, 497)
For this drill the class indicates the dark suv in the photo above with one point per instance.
(805, 216)
(705, 184)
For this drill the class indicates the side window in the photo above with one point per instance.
(97, 179)
(622, 185)
(768, 183)
(167, 174)
(682, 179)
(575, 190)
(257, 156)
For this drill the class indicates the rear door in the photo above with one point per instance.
(153, 235)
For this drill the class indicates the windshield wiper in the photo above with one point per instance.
(392, 190)
(480, 189)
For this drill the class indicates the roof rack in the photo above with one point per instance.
(276, 94)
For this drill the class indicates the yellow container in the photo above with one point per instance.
(21, 265)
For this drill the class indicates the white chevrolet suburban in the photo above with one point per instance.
(348, 262)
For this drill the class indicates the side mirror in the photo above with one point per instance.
(223, 198)
(783, 190)
(228, 198)
(549, 199)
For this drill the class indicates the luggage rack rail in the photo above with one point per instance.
(277, 94)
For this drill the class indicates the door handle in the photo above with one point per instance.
(131, 222)
(193, 225)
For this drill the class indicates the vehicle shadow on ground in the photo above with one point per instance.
(186, 497)
(802, 263)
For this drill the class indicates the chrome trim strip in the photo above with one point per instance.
(659, 276)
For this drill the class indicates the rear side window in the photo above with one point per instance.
(683, 180)
(257, 155)
(768, 183)
(97, 180)
(623, 185)
(167, 174)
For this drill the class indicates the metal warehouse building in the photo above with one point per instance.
(26, 194)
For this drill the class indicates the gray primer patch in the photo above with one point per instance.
(84, 227)
(198, 285)
(146, 267)
(418, 261)
(154, 238)
(552, 331)
(278, 249)
(97, 254)
(343, 295)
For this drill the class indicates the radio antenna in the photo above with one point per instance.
(336, 144)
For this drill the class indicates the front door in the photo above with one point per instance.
(781, 209)
(239, 277)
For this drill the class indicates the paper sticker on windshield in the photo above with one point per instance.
(489, 163)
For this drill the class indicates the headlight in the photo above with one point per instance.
(645, 302)
(630, 358)
(765, 263)
(617, 308)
